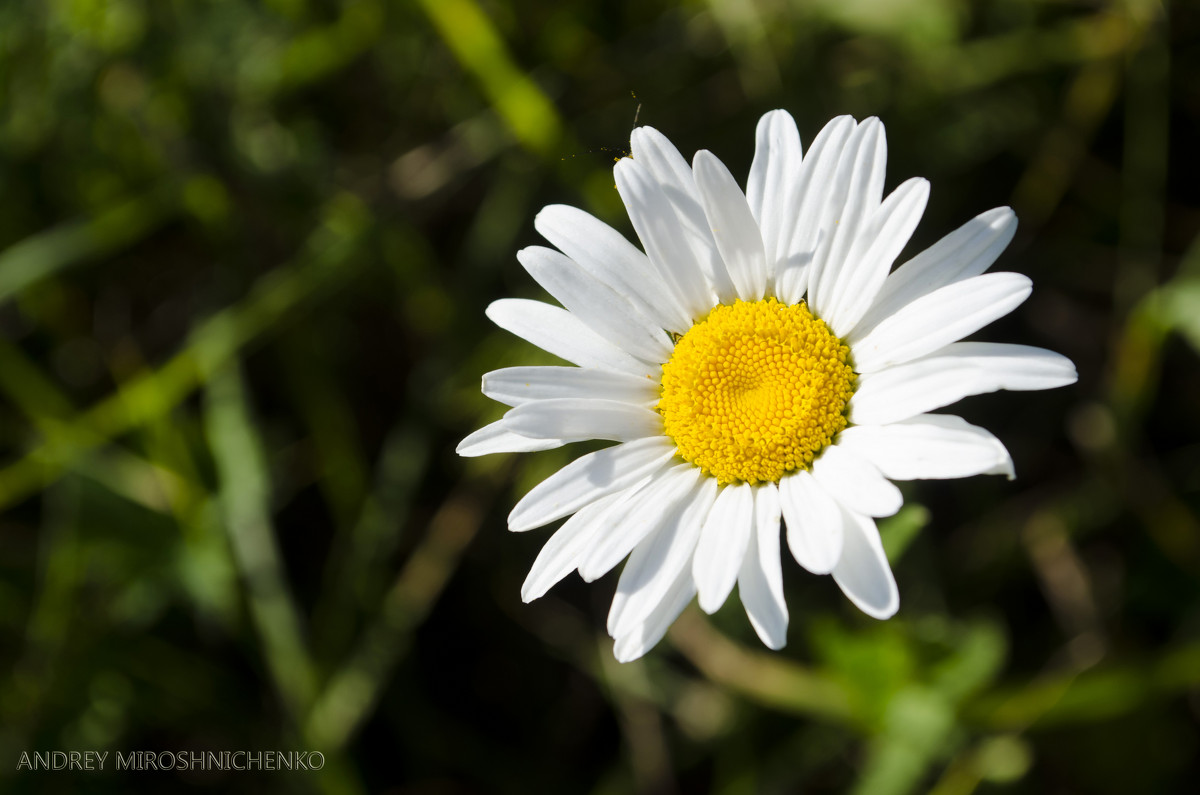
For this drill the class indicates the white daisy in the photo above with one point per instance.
(757, 363)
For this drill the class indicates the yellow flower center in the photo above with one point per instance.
(755, 390)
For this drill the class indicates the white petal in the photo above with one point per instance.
(645, 635)
(814, 522)
(564, 551)
(644, 514)
(855, 483)
(856, 194)
(733, 226)
(760, 581)
(557, 331)
(811, 223)
(496, 438)
(603, 252)
(579, 419)
(722, 545)
(944, 316)
(670, 170)
(654, 564)
(773, 187)
(595, 303)
(587, 479)
(657, 225)
(863, 572)
(952, 373)
(1016, 367)
(929, 446)
(513, 386)
(885, 233)
(967, 251)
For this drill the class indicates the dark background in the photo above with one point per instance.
(245, 249)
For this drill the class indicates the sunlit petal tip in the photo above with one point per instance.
(760, 581)
(645, 136)
(774, 116)
(643, 636)
(814, 523)
(499, 438)
(863, 573)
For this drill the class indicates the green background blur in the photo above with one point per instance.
(245, 249)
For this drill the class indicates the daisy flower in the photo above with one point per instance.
(759, 366)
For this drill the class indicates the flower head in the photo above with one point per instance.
(759, 365)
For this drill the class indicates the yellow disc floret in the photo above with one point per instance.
(755, 390)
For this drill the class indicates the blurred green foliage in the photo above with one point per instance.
(245, 249)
